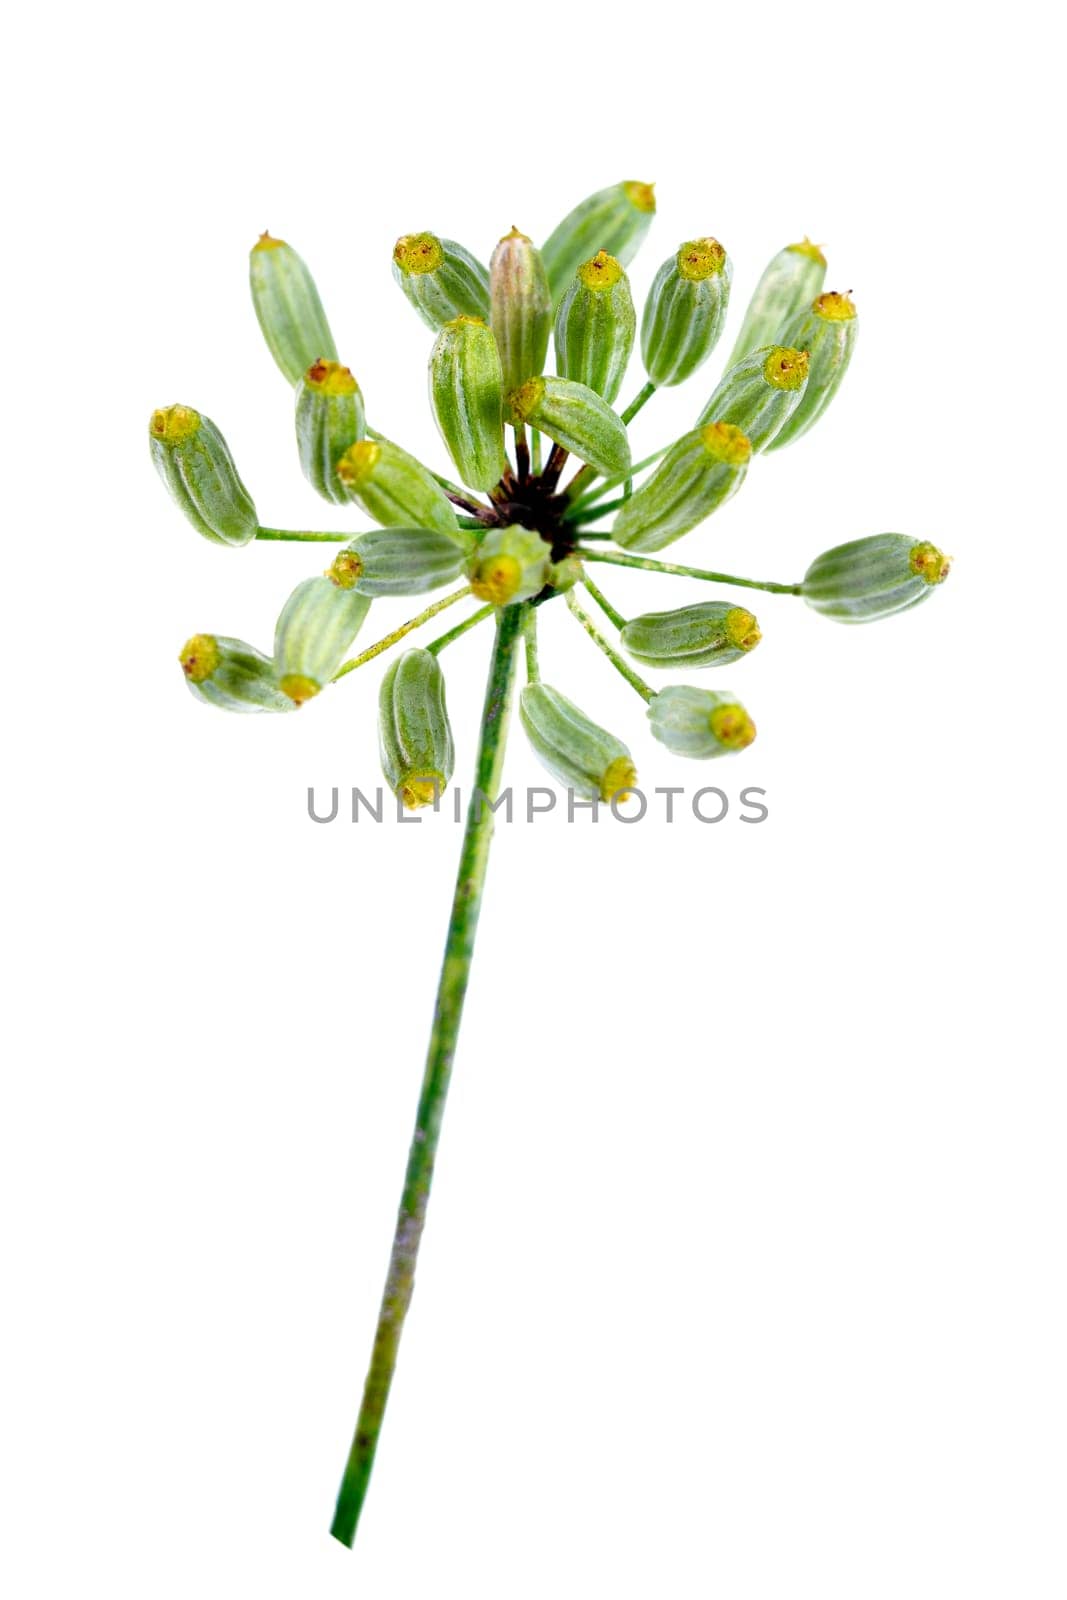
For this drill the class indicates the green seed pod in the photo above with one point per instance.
(685, 311)
(441, 279)
(828, 333)
(789, 284)
(414, 737)
(192, 458)
(615, 220)
(467, 395)
(317, 624)
(329, 419)
(595, 326)
(398, 561)
(520, 308)
(873, 578)
(232, 675)
(578, 753)
(510, 564)
(699, 722)
(708, 634)
(697, 475)
(394, 488)
(576, 418)
(288, 308)
(759, 394)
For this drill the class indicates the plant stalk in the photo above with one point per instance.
(617, 559)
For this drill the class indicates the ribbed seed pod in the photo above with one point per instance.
(708, 634)
(467, 396)
(615, 220)
(685, 311)
(231, 674)
(329, 419)
(288, 308)
(520, 308)
(414, 736)
(699, 722)
(789, 284)
(317, 624)
(873, 578)
(192, 458)
(398, 561)
(759, 394)
(578, 753)
(828, 333)
(595, 326)
(394, 488)
(697, 475)
(576, 418)
(510, 564)
(440, 278)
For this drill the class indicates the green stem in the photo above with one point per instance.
(616, 559)
(590, 513)
(398, 633)
(612, 483)
(641, 398)
(535, 453)
(435, 646)
(602, 644)
(532, 670)
(604, 603)
(303, 538)
(459, 950)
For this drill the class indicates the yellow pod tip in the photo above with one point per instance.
(834, 307)
(346, 570)
(524, 400)
(420, 789)
(199, 657)
(619, 778)
(701, 258)
(330, 377)
(172, 424)
(418, 252)
(358, 460)
(298, 688)
(786, 368)
(641, 195)
(928, 563)
(602, 272)
(732, 727)
(265, 242)
(742, 629)
(496, 579)
(724, 442)
(812, 251)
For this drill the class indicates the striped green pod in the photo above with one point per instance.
(288, 308)
(231, 674)
(685, 311)
(576, 418)
(510, 564)
(827, 331)
(194, 461)
(614, 219)
(708, 634)
(329, 419)
(520, 308)
(872, 578)
(699, 722)
(789, 284)
(595, 326)
(399, 561)
(317, 624)
(759, 394)
(467, 396)
(697, 475)
(440, 278)
(577, 752)
(414, 736)
(394, 488)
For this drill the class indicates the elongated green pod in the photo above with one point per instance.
(699, 722)
(467, 396)
(329, 419)
(288, 308)
(614, 219)
(231, 675)
(520, 308)
(399, 561)
(595, 326)
(697, 475)
(394, 488)
(509, 565)
(414, 736)
(872, 578)
(577, 752)
(440, 278)
(317, 624)
(789, 284)
(685, 311)
(828, 333)
(759, 394)
(576, 418)
(708, 634)
(194, 461)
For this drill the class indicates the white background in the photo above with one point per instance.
(744, 1272)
